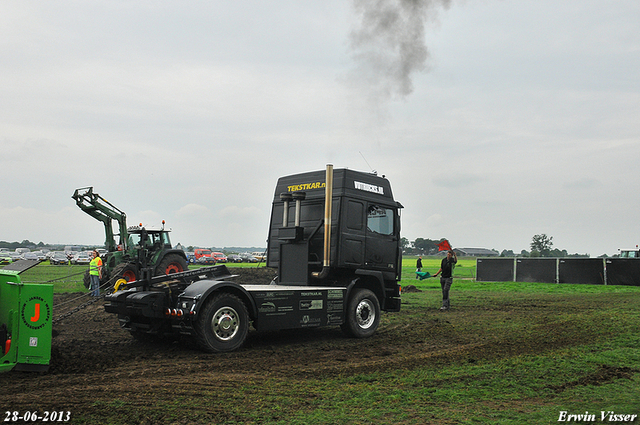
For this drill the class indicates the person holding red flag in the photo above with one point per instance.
(446, 268)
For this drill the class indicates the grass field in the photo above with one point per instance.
(69, 278)
(507, 353)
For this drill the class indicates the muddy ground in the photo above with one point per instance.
(94, 362)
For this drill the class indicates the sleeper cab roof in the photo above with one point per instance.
(346, 182)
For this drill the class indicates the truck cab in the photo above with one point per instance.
(364, 232)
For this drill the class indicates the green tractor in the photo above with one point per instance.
(140, 253)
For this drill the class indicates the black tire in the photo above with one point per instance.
(86, 280)
(363, 314)
(222, 324)
(126, 271)
(171, 263)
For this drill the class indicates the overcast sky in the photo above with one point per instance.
(494, 120)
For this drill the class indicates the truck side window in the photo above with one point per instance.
(355, 215)
(380, 220)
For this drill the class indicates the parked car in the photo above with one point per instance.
(58, 258)
(248, 258)
(260, 255)
(234, 258)
(29, 256)
(5, 258)
(219, 257)
(205, 260)
(81, 258)
(201, 252)
(41, 255)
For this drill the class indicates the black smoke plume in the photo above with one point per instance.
(389, 43)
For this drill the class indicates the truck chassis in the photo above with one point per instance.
(215, 312)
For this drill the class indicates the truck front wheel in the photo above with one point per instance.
(363, 314)
(222, 324)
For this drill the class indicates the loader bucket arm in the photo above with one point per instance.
(102, 210)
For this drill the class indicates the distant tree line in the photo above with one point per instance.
(11, 246)
(421, 246)
(24, 244)
(541, 246)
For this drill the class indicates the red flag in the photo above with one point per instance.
(444, 246)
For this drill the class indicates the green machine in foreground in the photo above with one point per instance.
(26, 311)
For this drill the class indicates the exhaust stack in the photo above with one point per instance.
(328, 206)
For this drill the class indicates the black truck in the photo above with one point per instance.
(334, 238)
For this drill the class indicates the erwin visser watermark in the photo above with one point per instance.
(605, 416)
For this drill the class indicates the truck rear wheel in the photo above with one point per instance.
(363, 314)
(223, 324)
(171, 263)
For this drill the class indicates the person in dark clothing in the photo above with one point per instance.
(446, 268)
(419, 264)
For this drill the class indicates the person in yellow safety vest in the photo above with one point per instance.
(95, 273)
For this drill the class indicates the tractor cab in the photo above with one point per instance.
(148, 238)
(630, 253)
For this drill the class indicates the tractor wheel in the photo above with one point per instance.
(171, 263)
(363, 314)
(126, 271)
(86, 280)
(223, 324)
